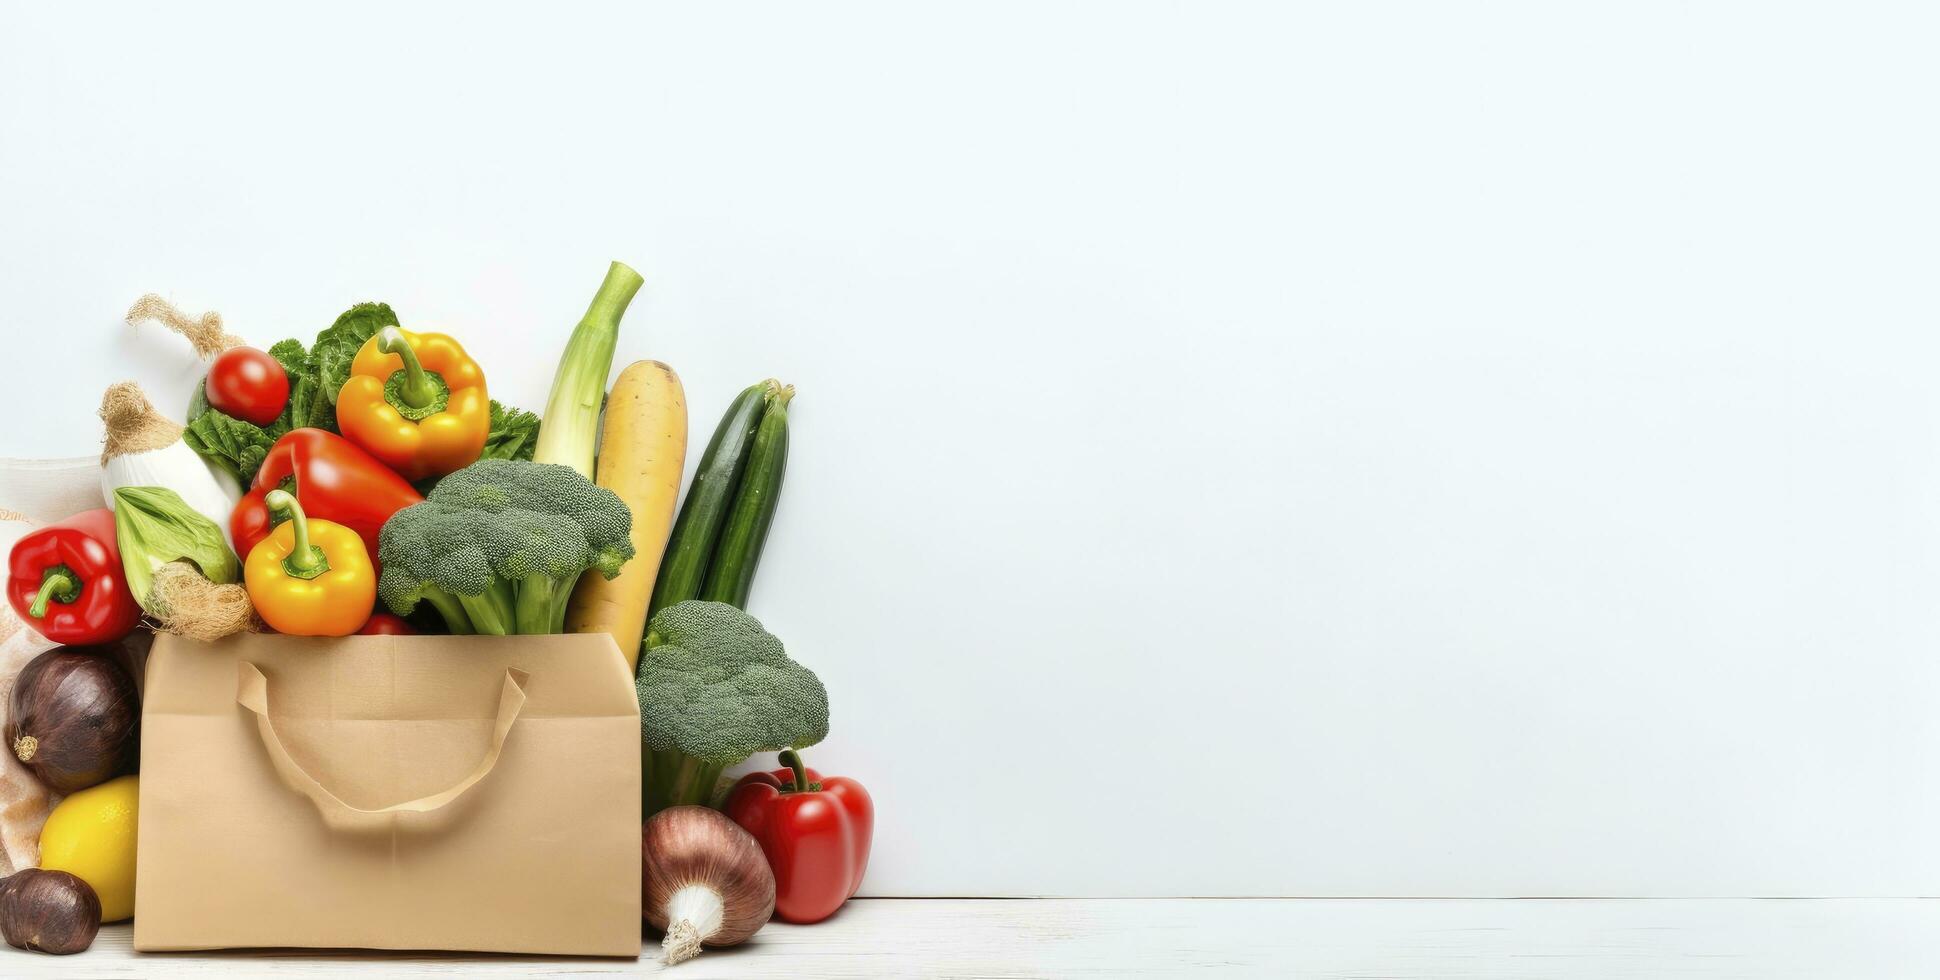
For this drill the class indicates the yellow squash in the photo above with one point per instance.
(643, 449)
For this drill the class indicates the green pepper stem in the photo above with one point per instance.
(793, 760)
(305, 560)
(54, 584)
(417, 390)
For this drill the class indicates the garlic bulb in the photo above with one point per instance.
(204, 333)
(706, 881)
(144, 449)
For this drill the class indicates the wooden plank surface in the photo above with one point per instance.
(1879, 939)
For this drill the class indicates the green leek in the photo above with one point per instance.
(569, 427)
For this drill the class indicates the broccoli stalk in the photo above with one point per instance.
(448, 606)
(672, 778)
(531, 604)
(715, 688)
(491, 611)
(497, 546)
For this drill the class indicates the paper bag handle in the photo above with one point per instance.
(252, 692)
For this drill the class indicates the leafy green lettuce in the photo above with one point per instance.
(515, 432)
(337, 346)
(229, 442)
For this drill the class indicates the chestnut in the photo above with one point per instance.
(48, 911)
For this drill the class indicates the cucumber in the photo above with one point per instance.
(683, 568)
(730, 576)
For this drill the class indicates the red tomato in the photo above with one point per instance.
(385, 624)
(248, 384)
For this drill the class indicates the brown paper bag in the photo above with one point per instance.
(390, 792)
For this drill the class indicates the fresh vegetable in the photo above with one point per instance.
(683, 570)
(248, 384)
(332, 479)
(705, 881)
(141, 448)
(497, 546)
(715, 688)
(331, 356)
(730, 573)
(417, 402)
(815, 831)
(310, 577)
(178, 565)
(229, 444)
(48, 911)
(386, 624)
(154, 527)
(13, 526)
(65, 581)
(315, 374)
(514, 434)
(571, 422)
(74, 719)
(204, 333)
(91, 835)
(643, 446)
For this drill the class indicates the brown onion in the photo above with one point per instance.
(706, 881)
(74, 719)
(48, 911)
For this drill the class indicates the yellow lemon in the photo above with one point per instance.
(91, 836)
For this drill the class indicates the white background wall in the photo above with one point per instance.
(1243, 448)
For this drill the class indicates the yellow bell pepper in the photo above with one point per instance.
(417, 402)
(310, 577)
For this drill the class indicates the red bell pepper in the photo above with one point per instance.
(65, 581)
(815, 832)
(332, 479)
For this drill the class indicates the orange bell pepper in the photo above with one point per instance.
(417, 402)
(310, 577)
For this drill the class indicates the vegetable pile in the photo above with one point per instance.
(366, 482)
(251, 398)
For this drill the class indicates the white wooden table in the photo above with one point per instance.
(1607, 939)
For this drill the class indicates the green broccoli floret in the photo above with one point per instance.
(497, 546)
(714, 689)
